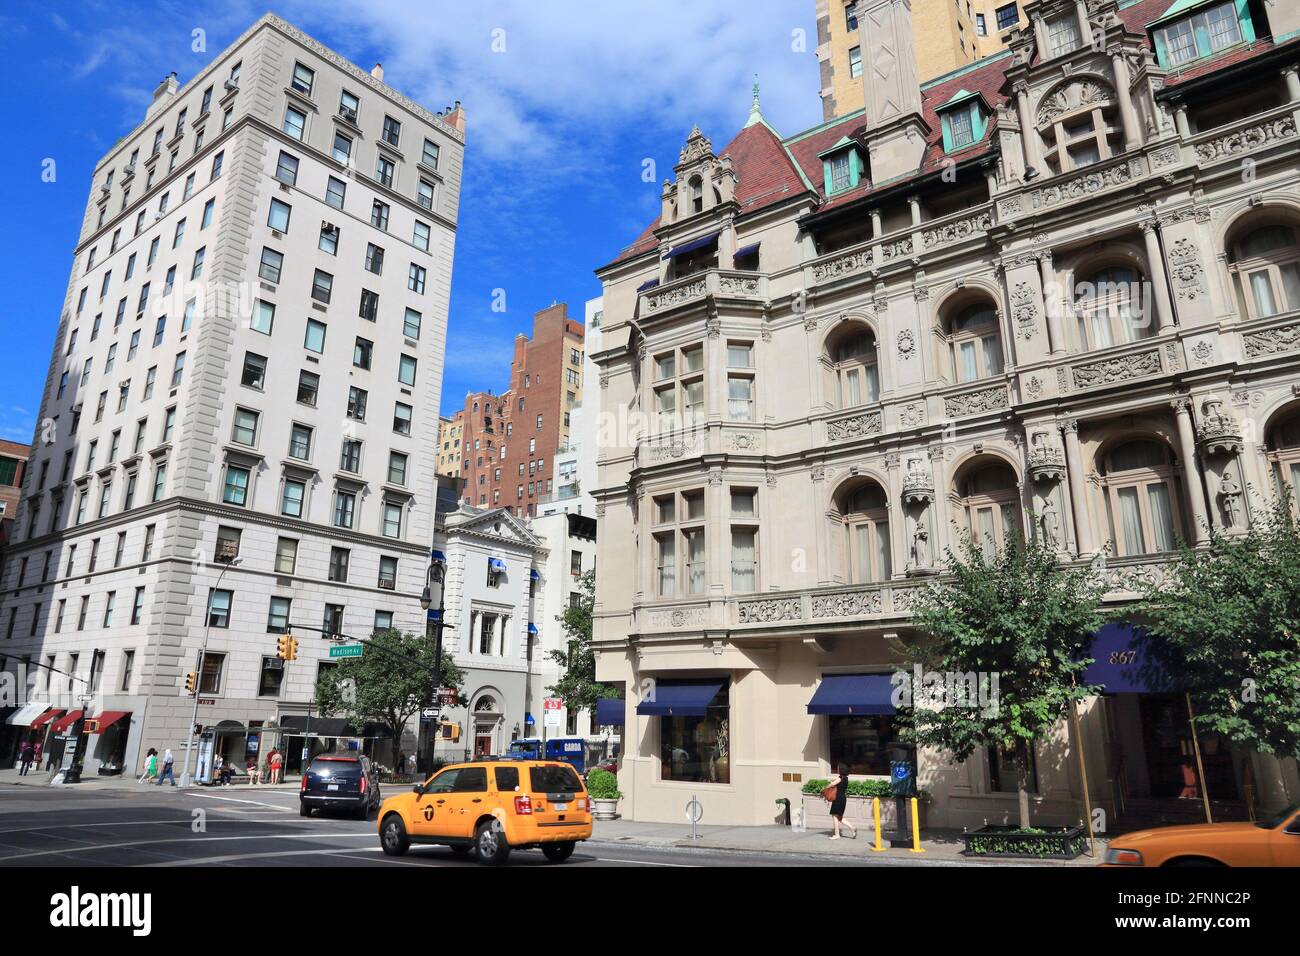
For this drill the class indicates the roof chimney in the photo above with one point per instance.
(377, 71)
(163, 94)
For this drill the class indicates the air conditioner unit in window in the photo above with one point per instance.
(328, 227)
(157, 217)
(348, 113)
(387, 585)
(105, 189)
(231, 86)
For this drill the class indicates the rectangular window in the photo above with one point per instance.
(688, 746)
(350, 457)
(308, 388)
(291, 500)
(421, 237)
(339, 560)
(357, 400)
(406, 371)
(335, 190)
(207, 214)
(278, 217)
(286, 168)
(300, 442)
(342, 148)
(329, 239)
(314, 337)
(344, 509)
(272, 675)
(402, 419)
(271, 265)
(1008, 16)
(286, 556)
(430, 155)
(369, 308)
(397, 468)
(411, 324)
(379, 215)
(392, 131)
(303, 79)
(219, 603)
(178, 370)
(392, 520)
(387, 573)
(295, 122)
(855, 62)
(384, 169)
(235, 489)
(415, 277)
(244, 431)
(322, 286)
(374, 259)
(210, 672)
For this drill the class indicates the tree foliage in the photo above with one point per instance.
(387, 684)
(577, 685)
(1225, 627)
(1017, 614)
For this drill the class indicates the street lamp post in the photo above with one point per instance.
(433, 627)
(198, 673)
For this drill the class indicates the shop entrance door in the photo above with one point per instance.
(482, 744)
(1171, 759)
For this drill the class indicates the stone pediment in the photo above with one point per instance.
(496, 523)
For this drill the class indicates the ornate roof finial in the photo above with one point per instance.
(755, 111)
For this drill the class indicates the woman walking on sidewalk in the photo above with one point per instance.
(839, 802)
(150, 766)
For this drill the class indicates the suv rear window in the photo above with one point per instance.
(334, 769)
(554, 779)
(507, 779)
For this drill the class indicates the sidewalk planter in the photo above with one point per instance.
(602, 791)
(1038, 843)
(857, 808)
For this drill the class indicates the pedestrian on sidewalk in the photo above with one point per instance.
(150, 766)
(25, 758)
(410, 765)
(36, 754)
(838, 790)
(277, 766)
(168, 771)
(254, 772)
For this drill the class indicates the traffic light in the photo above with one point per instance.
(288, 647)
(191, 681)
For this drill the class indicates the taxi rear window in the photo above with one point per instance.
(554, 779)
(507, 779)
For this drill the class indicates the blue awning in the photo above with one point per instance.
(609, 712)
(680, 698)
(691, 246)
(748, 250)
(1121, 662)
(648, 284)
(532, 628)
(856, 694)
(496, 564)
(437, 557)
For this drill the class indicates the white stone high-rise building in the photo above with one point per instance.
(248, 364)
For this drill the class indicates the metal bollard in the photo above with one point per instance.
(875, 813)
(916, 830)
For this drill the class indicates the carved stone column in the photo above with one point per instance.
(717, 539)
(1292, 79)
(1052, 303)
(897, 516)
(1192, 470)
(1078, 487)
(821, 525)
(942, 539)
(1028, 132)
(1159, 280)
(1127, 114)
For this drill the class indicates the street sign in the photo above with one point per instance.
(447, 696)
(346, 650)
(429, 713)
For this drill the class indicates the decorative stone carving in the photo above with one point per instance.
(733, 284)
(972, 403)
(674, 295)
(671, 450)
(1185, 266)
(743, 441)
(1244, 140)
(1106, 372)
(1071, 97)
(1218, 432)
(696, 147)
(1034, 387)
(1046, 459)
(1050, 522)
(1230, 496)
(957, 230)
(1204, 351)
(769, 610)
(855, 426)
(1134, 580)
(920, 558)
(1024, 309)
(906, 344)
(842, 265)
(846, 604)
(713, 326)
(1083, 185)
(1284, 338)
(676, 617)
(918, 483)
(912, 415)
(893, 250)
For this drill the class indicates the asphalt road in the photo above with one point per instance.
(165, 827)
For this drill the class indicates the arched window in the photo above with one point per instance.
(976, 343)
(697, 194)
(992, 504)
(854, 367)
(865, 514)
(1284, 442)
(1267, 263)
(487, 704)
(1108, 307)
(1139, 480)
(1079, 125)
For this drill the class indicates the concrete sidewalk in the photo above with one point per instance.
(941, 847)
(41, 778)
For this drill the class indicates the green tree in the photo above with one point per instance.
(1016, 614)
(387, 684)
(1225, 627)
(577, 685)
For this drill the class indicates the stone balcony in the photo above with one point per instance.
(692, 289)
(1250, 135)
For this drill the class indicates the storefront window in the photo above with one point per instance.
(697, 749)
(862, 744)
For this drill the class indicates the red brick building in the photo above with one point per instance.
(13, 461)
(509, 440)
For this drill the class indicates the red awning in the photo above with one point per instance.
(66, 721)
(109, 717)
(49, 715)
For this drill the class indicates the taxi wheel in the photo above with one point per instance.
(392, 837)
(490, 843)
(558, 852)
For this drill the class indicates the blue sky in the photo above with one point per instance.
(566, 102)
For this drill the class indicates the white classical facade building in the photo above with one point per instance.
(1056, 291)
(241, 405)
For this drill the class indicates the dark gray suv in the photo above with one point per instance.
(340, 782)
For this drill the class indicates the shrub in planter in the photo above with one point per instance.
(602, 790)
(1054, 843)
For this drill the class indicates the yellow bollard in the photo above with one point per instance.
(875, 812)
(916, 830)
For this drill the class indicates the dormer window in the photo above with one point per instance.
(1062, 35)
(1213, 27)
(697, 194)
(842, 166)
(964, 121)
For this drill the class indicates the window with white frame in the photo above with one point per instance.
(1266, 263)
(1140, 481)
(976, 342)
(990, 501)
(864, 513)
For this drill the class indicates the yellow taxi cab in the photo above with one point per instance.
(489, 808)
(1271, 842)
